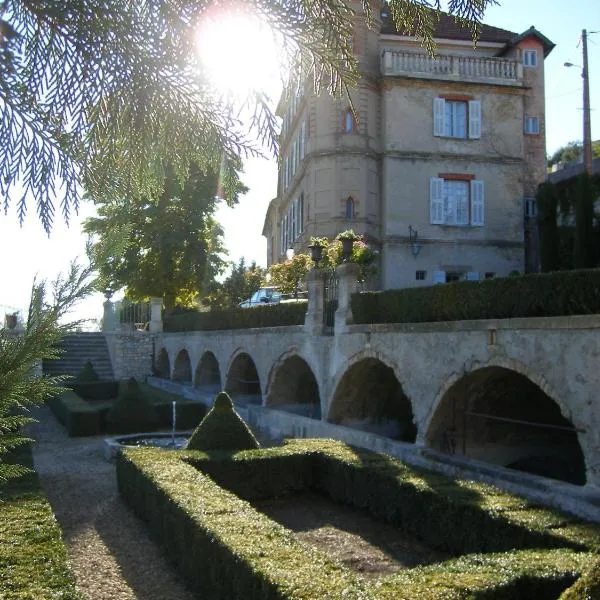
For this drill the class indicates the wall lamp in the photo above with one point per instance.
(413, 236)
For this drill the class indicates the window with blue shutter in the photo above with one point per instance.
(436, 201)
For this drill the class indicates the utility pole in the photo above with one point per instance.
(587, 127)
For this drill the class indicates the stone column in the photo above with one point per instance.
(156, 324)
(108, 317)
(347, 279)
(315, 282)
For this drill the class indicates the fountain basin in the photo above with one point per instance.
(167, 440)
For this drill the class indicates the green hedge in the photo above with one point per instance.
(448, 514)
(533, 295)
(271, 315)
(96, 390)
(225, 548)
(82, 418)
(33, 558)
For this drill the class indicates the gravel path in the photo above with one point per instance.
(110, 551)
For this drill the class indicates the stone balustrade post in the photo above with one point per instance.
(313, 321)
(156, 324)
(347, 274)
(108, 317)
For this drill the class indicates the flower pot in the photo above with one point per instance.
(316, 253)
(347, 244)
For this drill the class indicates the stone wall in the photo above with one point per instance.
(131, 354)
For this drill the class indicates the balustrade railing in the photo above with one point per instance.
(451, 66)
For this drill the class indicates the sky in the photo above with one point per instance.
(26, 251)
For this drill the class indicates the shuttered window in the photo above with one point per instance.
(456, 118)
(456, 202)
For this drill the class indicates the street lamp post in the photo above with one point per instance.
(587, 126)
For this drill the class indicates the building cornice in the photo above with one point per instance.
(452, 156)
(402, 240)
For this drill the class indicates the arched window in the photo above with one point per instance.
(350, 208)
(349, 122)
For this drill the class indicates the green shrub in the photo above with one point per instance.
(222, 429)
(132, 411)
(33, 557)
(96, 390)
(532, 295)
(83, 418)
(87, 374)
(273, 315)
(245, 555)
(587, 587)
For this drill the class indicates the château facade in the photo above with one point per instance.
(439, 168)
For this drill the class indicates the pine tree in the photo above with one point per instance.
(104, 93)
(21, 386)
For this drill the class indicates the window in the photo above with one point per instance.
(532, 125)
(420, 275)
(349, 123)
(490, 275)
(350, 208)
(530, 207)
(453, 276)
(456, 118)
(456, 202)
(302, 139)
(530, 58)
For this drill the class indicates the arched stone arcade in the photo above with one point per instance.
(294, 388)
(498, 415)
(182, 369)
(243, 382)
(208, 374)
(162, 367)
(370, 397)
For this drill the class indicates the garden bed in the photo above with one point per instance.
(83, 417)
(33, 557)
(198, 507)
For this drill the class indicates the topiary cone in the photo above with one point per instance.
(86, 374)
(222, 429)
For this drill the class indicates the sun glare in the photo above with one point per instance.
(239, 53)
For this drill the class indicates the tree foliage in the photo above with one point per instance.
(170, 248)
(584, 251)
(240, 284)
(572, 152)
(291, 274)
(105, 93)
(21, 386)
(547, 206)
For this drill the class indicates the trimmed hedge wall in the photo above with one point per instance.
(226, 549)
(33, 557)
(82, 418)
(269, 315)
(96, 390)
(532, 295)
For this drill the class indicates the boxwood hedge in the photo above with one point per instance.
(33, 557)
(268, 315)
(82, 418)
(532, 295)
(226, 549)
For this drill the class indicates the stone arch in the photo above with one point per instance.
(501, 414)
(293, 387)
(208, 374)
(369, 396)
(242, 382)
(182, 369)
(163, 365)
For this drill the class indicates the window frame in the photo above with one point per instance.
(441, 205)
(472, 117)
(531, 119)
(532, 53)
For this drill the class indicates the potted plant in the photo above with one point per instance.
(316, 247)
(347, 238)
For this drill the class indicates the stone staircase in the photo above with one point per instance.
(78, 348)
